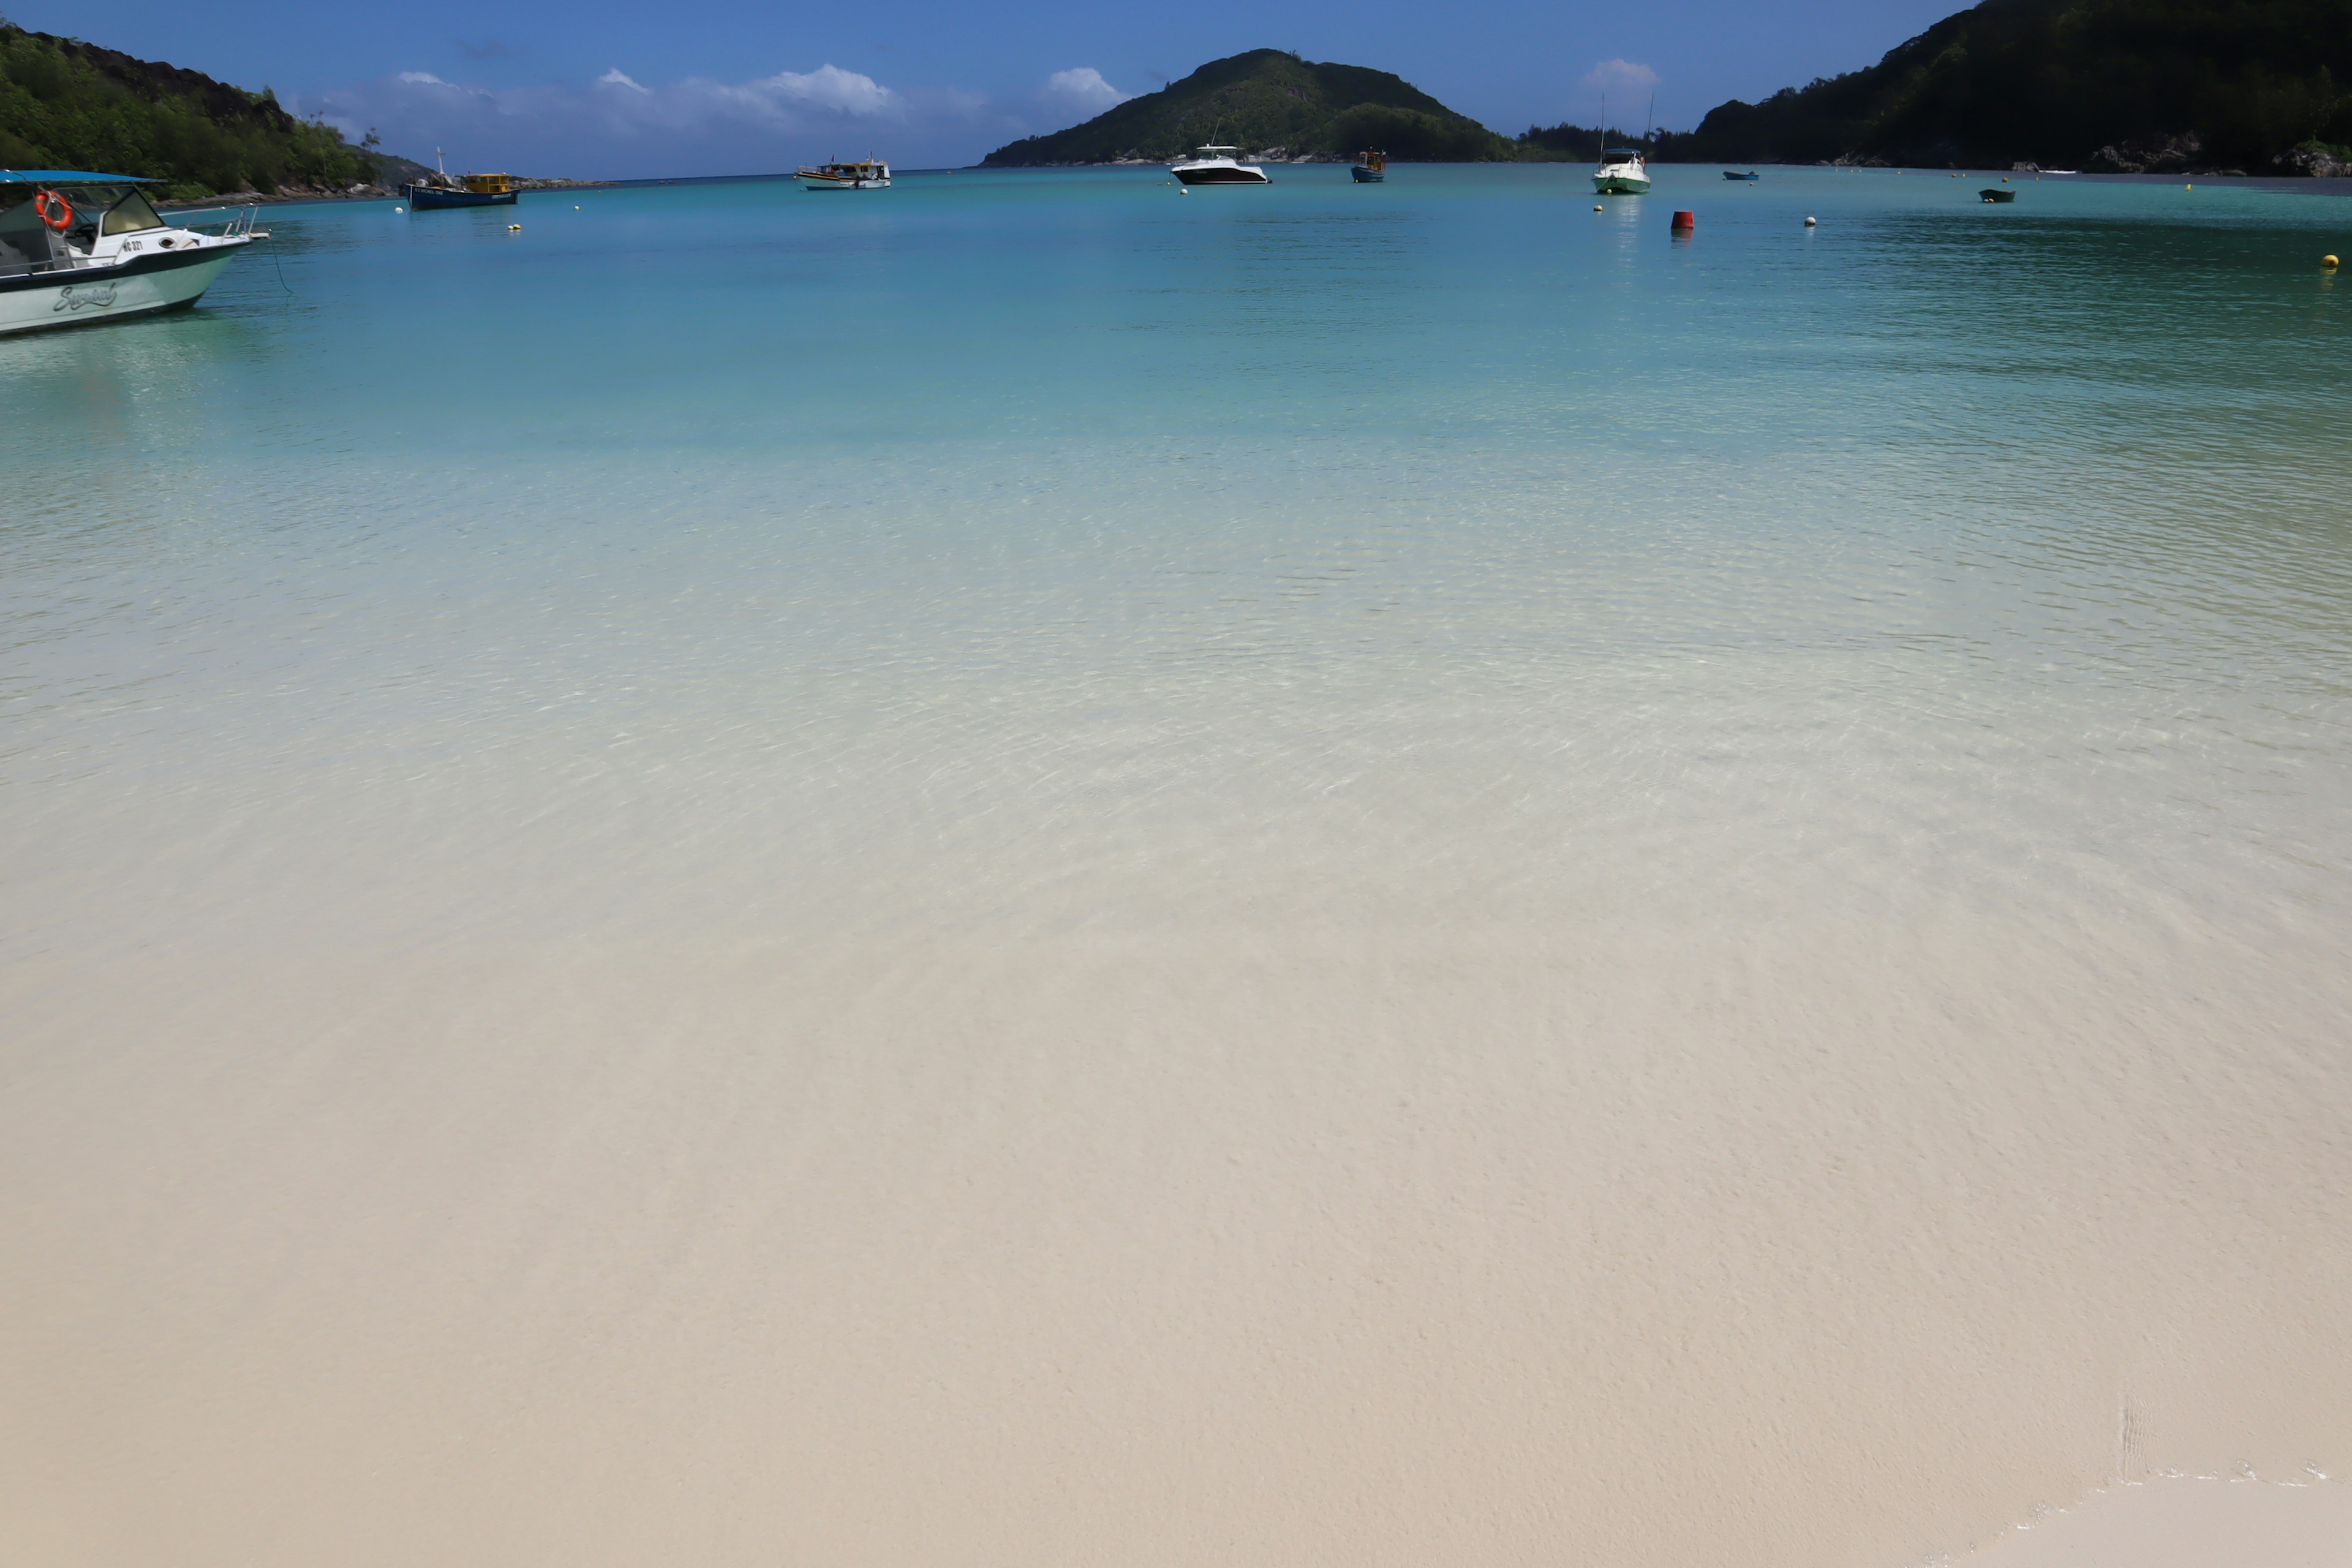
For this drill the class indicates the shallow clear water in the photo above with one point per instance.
(1036, 869)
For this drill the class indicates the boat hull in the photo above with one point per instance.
(145, 286)
(1364, 177)
(813, 183)
(1226, 177)
(1621, 184)
(1730, 175)
(425, 198)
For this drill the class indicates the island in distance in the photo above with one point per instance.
(2110, 86)
(1275, 104)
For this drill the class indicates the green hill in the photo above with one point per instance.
(1271, 103)
(2125, 85)
(65, 104)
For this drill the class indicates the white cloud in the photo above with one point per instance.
(830, 87)
(1620, 76)
(1083, 88)
(615, 126)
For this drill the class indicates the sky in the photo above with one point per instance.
(599, 89)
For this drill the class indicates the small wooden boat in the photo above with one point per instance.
(476, 191)
(869, 174)
(1734, 175)
(1371, 168)
(1990, 194)
(471, 191)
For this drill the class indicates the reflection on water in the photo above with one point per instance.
(1372, 873)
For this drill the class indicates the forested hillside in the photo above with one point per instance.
(2124, 84)
(70, 105)
(1272, 103)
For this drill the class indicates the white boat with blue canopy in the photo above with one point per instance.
(78, 247)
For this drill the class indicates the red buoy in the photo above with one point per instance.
(1686, 220)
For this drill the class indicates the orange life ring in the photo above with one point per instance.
(61, 218)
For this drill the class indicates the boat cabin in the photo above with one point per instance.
(489, 185)
(53, 217)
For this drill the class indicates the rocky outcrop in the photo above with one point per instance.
(2168, 155)
(2315, 159)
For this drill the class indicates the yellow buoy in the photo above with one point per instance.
(1596, 206)
(2187, 187)
(2327, 262)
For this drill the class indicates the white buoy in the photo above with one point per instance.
(1809, 223)
(400, 209)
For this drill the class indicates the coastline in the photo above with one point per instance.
(353, 194)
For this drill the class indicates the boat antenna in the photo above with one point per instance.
(440, 162)
(1602, 154)
(1649, 119)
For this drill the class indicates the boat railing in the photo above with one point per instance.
(238, 223)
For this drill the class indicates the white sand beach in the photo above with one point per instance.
(2189, 1523)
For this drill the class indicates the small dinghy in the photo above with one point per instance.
(1736, 174)
(1991, 194)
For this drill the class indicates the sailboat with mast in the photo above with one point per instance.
(1622, 171)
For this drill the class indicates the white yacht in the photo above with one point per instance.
(1622, 173)
(77, 248)
(1215, 165)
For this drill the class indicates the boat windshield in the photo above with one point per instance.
(132, 214)
(121, 208)
(1621, 155)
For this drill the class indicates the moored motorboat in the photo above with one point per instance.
(1370, 169)
(1734, 175)
(439, 190)
(864, 174)
(77, 248)
(1215, 165)
(1623, 172)
(1994, 194)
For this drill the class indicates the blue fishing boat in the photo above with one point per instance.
(1734, 175)
(1370, 169)
(473, 190)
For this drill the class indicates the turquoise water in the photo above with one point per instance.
(1043, 451)
(1386, 845)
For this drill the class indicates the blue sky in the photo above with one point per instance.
(593, 87)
